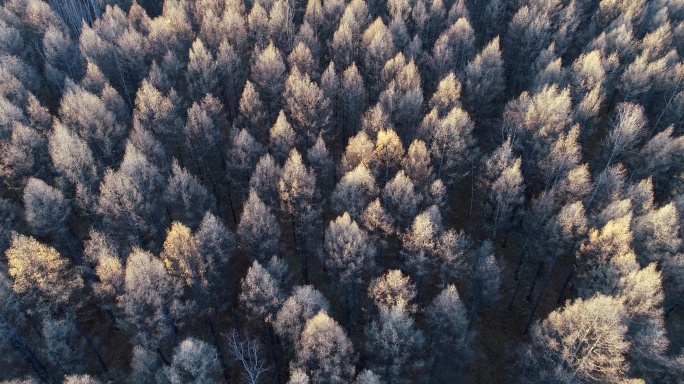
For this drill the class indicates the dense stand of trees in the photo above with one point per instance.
(333, 191)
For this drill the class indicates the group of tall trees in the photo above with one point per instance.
(332, 191)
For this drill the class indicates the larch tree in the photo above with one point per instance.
(325, 352)
(282, 138)
(261, 295)
(216, 244)
(393, 289)
(202, 71)
(307, 106)
(89, 116)
(484, 78)
(48, 284)
(584, 340)
(264, 180)
(353, 100)
(258, 230)
(43, 278)
(152, 302)
(321, 162)
(447, 96)
(503, 187)
(46, 208)
(253, 113)
(281, 24)
(303, 304)
(401, 199)
(378, 224)
(454, 47)
(419, 243)
(194, 360)
(395, 344)
(452, 145)
(449, 334)
(302, 58)
(349, 255)
(268, 72)
(388, 152)
(359, 150)
(183, 260)
(298, 195)
(186, 198)
(356, 189)
(417, 165)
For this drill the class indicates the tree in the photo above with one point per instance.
(46, 208)
(359, 151)
(129, 199)
(297, 187)
(303, 304)
(452, 144)
(656, 234)
(419, 243)
(264, 180)
(252, 111)
(258, 230)
(353, 97)
(393, 289)
(564, 156)
(400, 198)
(194, 360)
(216, 244)
(95, 122)
(268, 73)
(484, 77)
(356, 189)
(454, 48)
(449, 333)
(388, 151)
(349, 254)
(584, 340)
(186, 198)
(375, 52)
(344, 46)
(248, 352)
(325, 353)
(282, 138)
(308, 108)
(203, 129)
(281, 24)
(651, 158)
(302, 58)
(202, 71)
(504, 188)
(488, 271)
(242, 156)
(48, 284)
(416, 164)
(626, 130)
(42, 277)
(152, 302)
(447, 96)
(395, 344)
(261, 295)
(321, 162)
(80, 379)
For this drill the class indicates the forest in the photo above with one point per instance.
(341, 191)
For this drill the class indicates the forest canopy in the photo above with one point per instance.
(341, 191)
